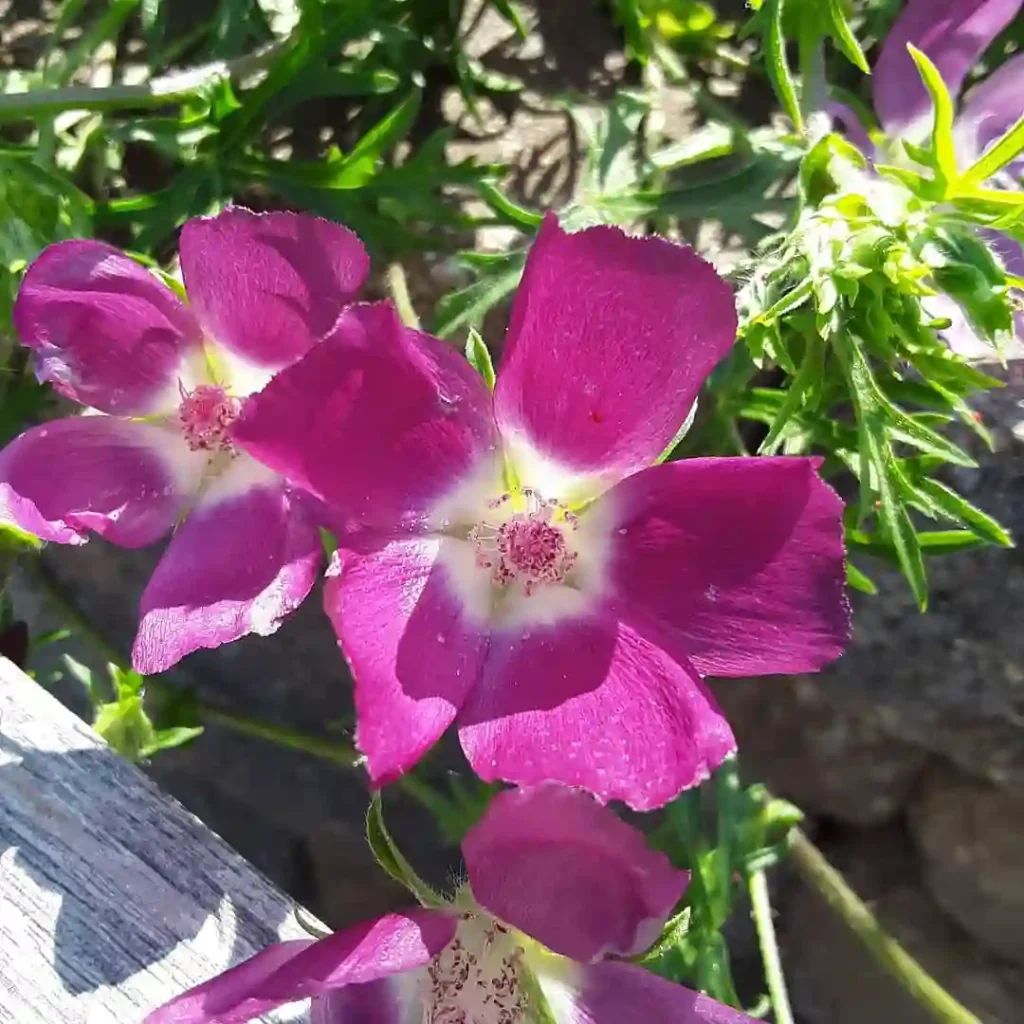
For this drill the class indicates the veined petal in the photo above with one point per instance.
(124, 480)
(413, 652)
(609, 342)
(954, 34)
(557, 865)
(268, 286)
(617, 993)
(378, 421)
(247, 555)
(590, 702)
(988, 110)
(360, 955)
(105, 331)
(741, 559)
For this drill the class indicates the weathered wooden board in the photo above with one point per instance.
(113, 898)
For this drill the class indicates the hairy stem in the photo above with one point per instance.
(761, 911)
(854, 913)
(398, 286)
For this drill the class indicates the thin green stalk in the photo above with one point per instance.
(854, 913)
(157, 92)
(398, 286)
(329, 750)
(757, 883)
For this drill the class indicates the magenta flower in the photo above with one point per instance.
(558, 888)
(163, 383)
(519, 565)
(954, 34)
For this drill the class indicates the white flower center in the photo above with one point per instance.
(477, 978)
(526, 547)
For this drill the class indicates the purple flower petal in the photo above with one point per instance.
(387, 1001)
(105, 331)
(954, 34)
(233, 987)
(853, 128)
(414, 655)
(247, 555)
(591, 703)
(296, 970)
(378, 421)
(988, 110)
(609, 342)
(124, 480)
(740, 559)
(269, 285)
(616, 993)
(616, 896)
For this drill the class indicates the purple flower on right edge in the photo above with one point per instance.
(953, 34)
(518, 563)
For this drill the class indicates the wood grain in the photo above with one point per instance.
(113, 898)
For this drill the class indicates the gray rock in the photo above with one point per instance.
(828, 761)
(971, 839)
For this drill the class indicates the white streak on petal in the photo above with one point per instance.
(242, 474)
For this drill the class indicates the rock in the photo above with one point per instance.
(971, 838)
(828, 761)
(834, 980)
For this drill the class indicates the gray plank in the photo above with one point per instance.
(113, 898)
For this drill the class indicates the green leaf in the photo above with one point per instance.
(15, 541)
(873, 401)
(807, 381)
(125, 725)
(945, 501)
(944, 542)
(83, 674)
(469, 305)
(672, 935)
(360, 165)
(392, 860)
(778, 68)
(168, 739)
(858, 581)
(508, 10)
(479, 358)
(943, 148)
(844, 37)
(501, 204)
(996, 157)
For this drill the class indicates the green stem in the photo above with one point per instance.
(398, 286)
(854, 913)
(156, 92)
(329, 750)
(757, 883)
